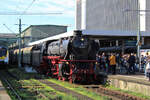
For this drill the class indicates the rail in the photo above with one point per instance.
(10, 87)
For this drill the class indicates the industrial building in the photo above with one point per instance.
(37, 32)
(110, 14)
(116, 20)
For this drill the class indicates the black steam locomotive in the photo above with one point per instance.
(64, 57)
(78, 47)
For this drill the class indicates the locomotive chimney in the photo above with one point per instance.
(77, 32)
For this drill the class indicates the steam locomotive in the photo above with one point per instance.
(69, 57)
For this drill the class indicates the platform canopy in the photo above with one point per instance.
(93, 33)
(7, 38)
(100, 33)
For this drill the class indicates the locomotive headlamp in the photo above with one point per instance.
(82, 39)
(67, 62)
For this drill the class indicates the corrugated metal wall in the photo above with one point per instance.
(111, 15)
(148, 15)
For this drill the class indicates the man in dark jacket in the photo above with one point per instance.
(103, 61)
(131, 62)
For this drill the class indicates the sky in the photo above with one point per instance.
(66, 7)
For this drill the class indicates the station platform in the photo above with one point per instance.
(3, 93)
(138, 78)
(135, 83)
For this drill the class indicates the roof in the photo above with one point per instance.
(7, 35)
(7, 38)
(43, 26)
(113, 33)
(56, 37)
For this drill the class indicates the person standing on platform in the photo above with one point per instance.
(124, 67)
(103, 61)
(131, 62)
(147, 69)
(143, 62)
(107, 63)
(112, 60)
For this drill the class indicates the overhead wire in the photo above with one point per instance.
(30, 13)
(29, 6)
(18, 6)
(25, 12)
(8, 28)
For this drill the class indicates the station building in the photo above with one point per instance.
(116, 21)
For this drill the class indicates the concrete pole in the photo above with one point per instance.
(76, 4)
(138, 35)
(83, 18)
(142, 40)
(19, 43)
(141, 26)
(123, 47)
(117, 43)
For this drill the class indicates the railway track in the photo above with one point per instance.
(62, 89)
(14, 89)
(9, 85)
(43, 81)
(114, 95)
